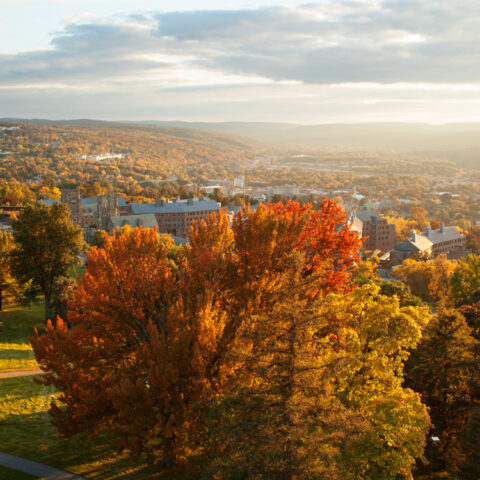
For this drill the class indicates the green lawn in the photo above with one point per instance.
(16, 325)
(25, 428)
(26, 431)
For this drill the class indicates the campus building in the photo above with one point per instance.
(377, 232)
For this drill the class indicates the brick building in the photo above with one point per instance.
(380, 235)
(176, 217)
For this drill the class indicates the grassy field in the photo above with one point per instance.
(25, 428)
(16, 325)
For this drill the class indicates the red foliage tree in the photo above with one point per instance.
(150, 341)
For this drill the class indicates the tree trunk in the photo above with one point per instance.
(290, 391)
(48, 307)
(1, 299)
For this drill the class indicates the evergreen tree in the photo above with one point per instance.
(471, 469)
(445, 370)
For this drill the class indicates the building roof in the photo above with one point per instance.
(122, 202)
(444, 234)
(179, 240)
(367, 215)
(147, 221)
(180, 206)
(49, 202)
(89, 201)
(420, 244)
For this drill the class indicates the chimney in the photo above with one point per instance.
(413, 236)
(442, 228)
(429, 230)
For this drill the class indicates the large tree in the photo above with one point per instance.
(152, 332)
(321, 394)
(47, 245)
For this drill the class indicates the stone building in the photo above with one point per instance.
(92, 212)
(447, 240)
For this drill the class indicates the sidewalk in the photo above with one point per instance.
(36, 469)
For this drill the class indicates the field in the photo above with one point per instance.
(25, 428)
(16, 325)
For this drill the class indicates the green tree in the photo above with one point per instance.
(465, 280)
(322, 393)
(47, 245)
(445, 370)
(470, 470)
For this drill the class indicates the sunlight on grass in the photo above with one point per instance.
(16, 325)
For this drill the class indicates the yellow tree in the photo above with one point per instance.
(321, 393)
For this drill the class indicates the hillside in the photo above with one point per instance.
(60, 151)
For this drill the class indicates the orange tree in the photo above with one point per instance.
(148, 348)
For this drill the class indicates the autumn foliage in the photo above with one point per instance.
(158, 338)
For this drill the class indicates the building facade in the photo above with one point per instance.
(177, 217)
(446, 240)
(377, 232)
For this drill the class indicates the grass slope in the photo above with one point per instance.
(25, 427)
(16, 325)
(26, 431)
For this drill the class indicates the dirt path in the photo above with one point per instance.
(20, 373)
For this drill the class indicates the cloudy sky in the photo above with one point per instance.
(258, 60)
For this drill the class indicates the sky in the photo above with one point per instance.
(338, 61)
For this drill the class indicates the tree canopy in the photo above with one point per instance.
(47, 245)
(163, 343)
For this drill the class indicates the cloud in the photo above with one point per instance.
(301, 49)
(330, 42)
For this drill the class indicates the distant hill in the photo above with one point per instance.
(458, 142)
(437, 139)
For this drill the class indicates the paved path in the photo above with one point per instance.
(27, 466)
(36, 469)
(20, 373)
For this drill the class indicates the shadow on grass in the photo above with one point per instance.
(16, 354)
(32, 436)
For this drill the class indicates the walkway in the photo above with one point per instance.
(20, 373)
(36, 469)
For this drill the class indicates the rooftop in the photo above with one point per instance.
(368, 215)
(179, 206)
(443, 234)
